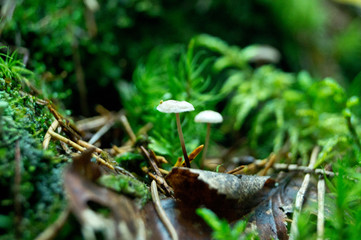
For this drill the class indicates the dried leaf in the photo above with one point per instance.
(123, 222)
(270, 215)
(187, 224)
(227, 195)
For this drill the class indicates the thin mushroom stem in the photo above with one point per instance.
(206, 142)
(181, 139)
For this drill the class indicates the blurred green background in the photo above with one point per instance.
(81, 50)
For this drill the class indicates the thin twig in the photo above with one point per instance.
(47, 136)
(301, 194)
(236, 170)
(17, 193)
(321, 208)
(269, 164)
(101, 132)
(52, 231)
(128, 129)
(151, 156)
(92, 123)
(161, 213)
(88, 145)
(305, 169)
(79, 148)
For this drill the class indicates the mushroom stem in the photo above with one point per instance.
(181, 139)
(206, 145)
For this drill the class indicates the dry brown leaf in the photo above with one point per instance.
(121, 221)
(187, 224)
(227, 195)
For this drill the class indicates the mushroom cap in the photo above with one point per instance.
(173, 106)
(208, 116)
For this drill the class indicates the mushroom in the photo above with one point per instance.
(208, 117)
(173, 106)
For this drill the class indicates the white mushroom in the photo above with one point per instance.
(173, 106)
(208, 117)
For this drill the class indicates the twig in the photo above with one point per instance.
(321, 208)
(101, 132)
(92, 123)
(47, 136)
(122, 149)
(79, 148)
(269, 164)
(301, 194)
(161, 213)
(236, 170)
(68, 128)
(128, 129)
(88, 145)
(250, 168)
(305, 169)
(17, 193)
(52, 231)
(151, 156)
(123, 171)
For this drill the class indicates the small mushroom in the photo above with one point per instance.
(173, 106)
(208, 117)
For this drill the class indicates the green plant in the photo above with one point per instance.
(23, 123)
(222, 230)
(170, 73)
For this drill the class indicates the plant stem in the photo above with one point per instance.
(353, 132)
(206, 145)
(181, 139)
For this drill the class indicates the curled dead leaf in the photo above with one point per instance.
(228, 195)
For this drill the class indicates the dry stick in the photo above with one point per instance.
(101, 132)
(181, 139)
(92, 123)
(301, 194)
(154, 166)
(88, 145)
(162, 215)
(17, 193)
(68, 128)
(79, 148)
(128, 129)
(47, 136)
(321, 208)
(237, 169)
(52, 231)
(269, 164)
(305, 169)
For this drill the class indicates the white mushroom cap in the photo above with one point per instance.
(173, 106)
(208, 116)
